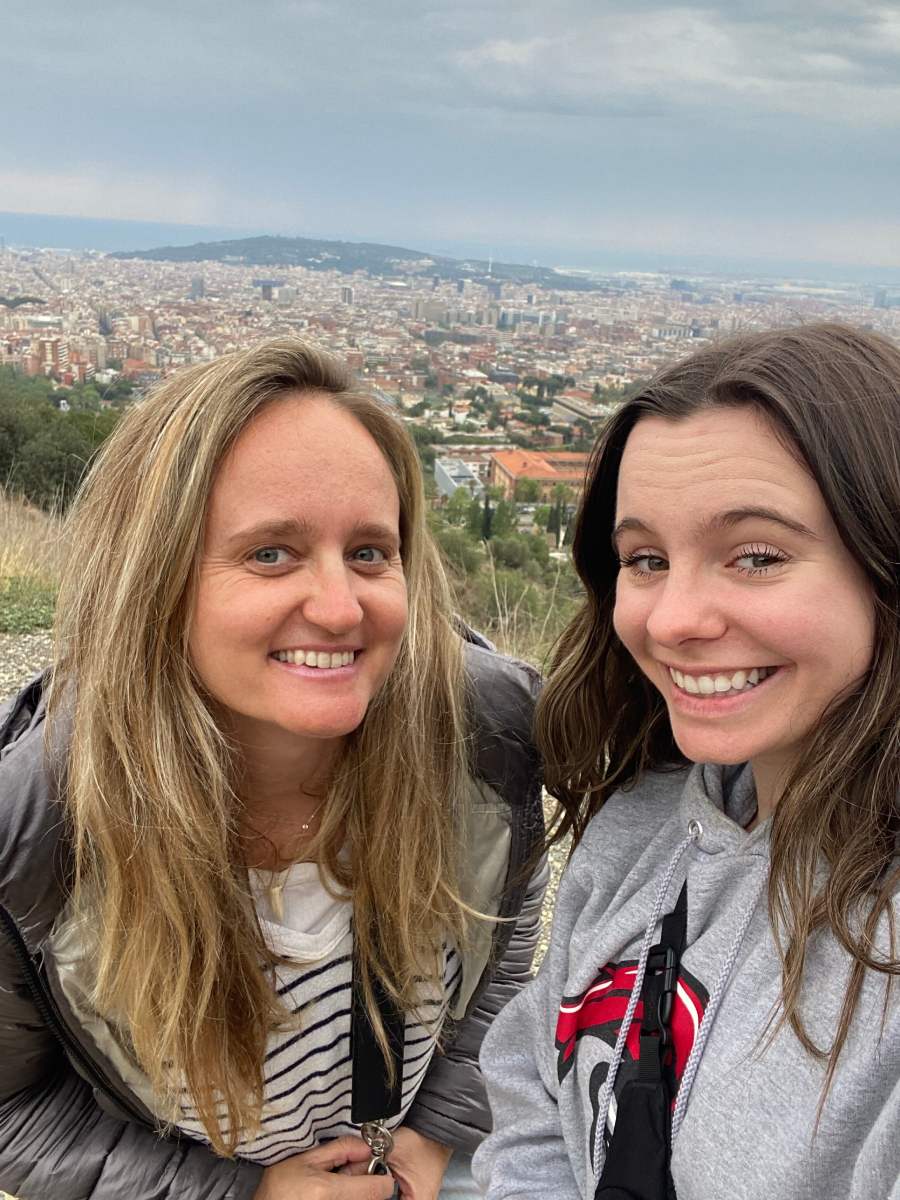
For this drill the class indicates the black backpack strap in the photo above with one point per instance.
(374, 1097)
(658, 992)
(637, 1163)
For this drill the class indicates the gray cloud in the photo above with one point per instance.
(397, 118)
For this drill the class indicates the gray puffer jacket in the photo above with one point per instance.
(71, 1129)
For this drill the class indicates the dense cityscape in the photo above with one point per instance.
(511, 366)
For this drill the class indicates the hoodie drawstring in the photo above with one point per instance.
(695, 831)
(715, 996)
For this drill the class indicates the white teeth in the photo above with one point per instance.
(316, 658)
(710, 685)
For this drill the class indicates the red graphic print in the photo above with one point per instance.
(600, 1009)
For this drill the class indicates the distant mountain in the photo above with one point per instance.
(347, 257)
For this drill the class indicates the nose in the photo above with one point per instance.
(685, 607)
(331, 602)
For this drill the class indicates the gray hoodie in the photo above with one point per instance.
(744, 1122)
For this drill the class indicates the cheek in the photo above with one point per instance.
(228, 616)
(630, 617)
(840, 630)
(395, 617)
(842, 636)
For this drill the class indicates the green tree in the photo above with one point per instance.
(425, 440)
(458, 550)
(553, 520)
(510, 551)
(487, 517)
(84, 397)
(44, 452)
(504, 522)
(51, 465)
(538, 550)
(527, 491)
(561, 497)
(457, 508)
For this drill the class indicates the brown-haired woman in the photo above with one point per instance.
(715, 1016)
(243, 864)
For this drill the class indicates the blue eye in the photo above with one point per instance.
(644, 563)
(268, 556)
(370, 554)
(758, 560)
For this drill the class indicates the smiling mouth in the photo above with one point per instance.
(720, 684)
(321, 659)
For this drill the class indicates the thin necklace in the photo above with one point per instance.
(304, 825)
(279, 878)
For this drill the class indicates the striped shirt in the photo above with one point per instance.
(308, 1069)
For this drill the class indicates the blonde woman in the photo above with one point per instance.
(243, 847)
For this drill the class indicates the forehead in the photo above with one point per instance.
(684, 471)
(303, 454)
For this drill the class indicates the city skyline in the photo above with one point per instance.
(598, 134)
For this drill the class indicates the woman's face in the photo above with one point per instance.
(736, 596)
(301, 605)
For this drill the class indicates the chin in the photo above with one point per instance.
(324, 728)
(721, 751)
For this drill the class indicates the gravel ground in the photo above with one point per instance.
(558, 856)
(22, 654)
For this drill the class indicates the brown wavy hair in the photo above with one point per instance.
(832, 394)
(153, 784)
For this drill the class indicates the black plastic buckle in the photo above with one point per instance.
(662, 961)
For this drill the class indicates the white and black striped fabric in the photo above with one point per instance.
(308, 1070)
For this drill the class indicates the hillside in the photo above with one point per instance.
(347, 257)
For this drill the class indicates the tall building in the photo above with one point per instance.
(267, 286)
(346, 295)
(198, 287)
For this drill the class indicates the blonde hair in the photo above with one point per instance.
(152, 781)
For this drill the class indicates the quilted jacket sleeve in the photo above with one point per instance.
(451, 1104)
(56, 1143)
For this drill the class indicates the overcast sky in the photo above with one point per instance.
(558, 129)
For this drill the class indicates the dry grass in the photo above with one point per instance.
(30, 544)
(30, 562)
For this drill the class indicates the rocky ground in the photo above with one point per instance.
(22, 654)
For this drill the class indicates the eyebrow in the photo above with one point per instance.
(724, 520)
(291, 528)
